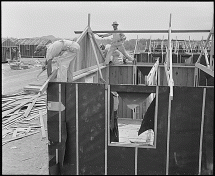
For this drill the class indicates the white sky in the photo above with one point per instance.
(61, 18)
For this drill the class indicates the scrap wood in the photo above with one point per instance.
(34, 116)
(5, 104)
(42, 125)
(5, 113)
(30, 107)
(9, 140)
(11, 118)
(51, 77)
(33, 126)
(14, 133)
(5, 132)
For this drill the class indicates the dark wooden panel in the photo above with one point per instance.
(113, 75)
(120, 160)
(91, 128)
(70, 153)
(133, 88)
(185, 126)
(208, 134)
(53, 126)
(183, 76)
(153, 161)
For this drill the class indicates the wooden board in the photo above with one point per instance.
(121, 161)
(91, 128)
(185, 124)
(153, 161)
(122, 75)
(182, 76)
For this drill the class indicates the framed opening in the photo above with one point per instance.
(139, 129)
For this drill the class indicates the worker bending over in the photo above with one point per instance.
(67, 52)
(116, 44)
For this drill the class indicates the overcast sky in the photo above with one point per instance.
(61, 18)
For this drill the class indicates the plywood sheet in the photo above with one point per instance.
(153, 161)
(208, 134)
(121, 161)
(91, 128)
(185, 123)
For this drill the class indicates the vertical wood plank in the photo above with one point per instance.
(77, 146)
(201, 133)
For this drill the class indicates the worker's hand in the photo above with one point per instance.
(101, 36)
(44, 67)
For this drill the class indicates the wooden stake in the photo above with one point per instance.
(30, 107)
(42, 125)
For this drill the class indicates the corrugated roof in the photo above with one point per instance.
(33, 41)
(8, 42)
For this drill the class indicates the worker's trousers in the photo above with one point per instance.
(66, 64)
(121, 48)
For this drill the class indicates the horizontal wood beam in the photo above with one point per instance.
(50, 78)
(88, 72)
(148, 31)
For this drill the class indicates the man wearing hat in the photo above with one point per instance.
(116, 44)
(65, 52)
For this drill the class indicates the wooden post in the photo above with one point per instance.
(97, 61)
(202, 128)
(88, 19)
(168, 135)
(10, 54)
(106, 125)
(76, 131)
(59, 113)
(212, 48)
(162, 48)
(135, 49)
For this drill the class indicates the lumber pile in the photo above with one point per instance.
(17, 65)
(32, 88)
(22, 116)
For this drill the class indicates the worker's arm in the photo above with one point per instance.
(122, 37)
(105, 35)
(49, 67)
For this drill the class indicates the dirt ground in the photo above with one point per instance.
(15, 80)
(29, 155)
(26, 156)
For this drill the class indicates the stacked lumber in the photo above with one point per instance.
(32, 88)
(22, 116)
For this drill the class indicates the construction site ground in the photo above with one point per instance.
(29, 155)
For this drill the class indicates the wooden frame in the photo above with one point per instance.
(132, 144)
(148, 31)
(153, 74)
(168, 62)
(209, 69)
(202, 127)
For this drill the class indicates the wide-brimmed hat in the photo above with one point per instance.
(115, 23)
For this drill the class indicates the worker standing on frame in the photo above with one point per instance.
(116, 44)
(67, 52)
